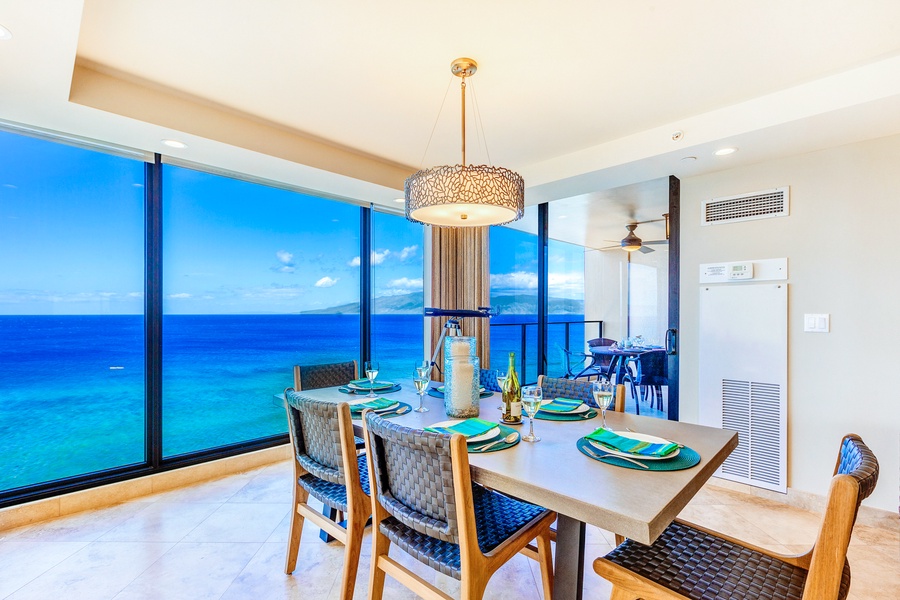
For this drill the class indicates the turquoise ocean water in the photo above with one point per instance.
(72, 387)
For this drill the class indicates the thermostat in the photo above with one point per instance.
(740, 270)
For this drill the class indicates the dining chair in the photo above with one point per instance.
(425, 502)
(602, 362)
(691, 562)
(328, 468)
(487, 379)
(578, 364)
(651, 373)
(557, 387)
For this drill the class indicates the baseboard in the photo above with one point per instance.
(868, 516)
(123, 491)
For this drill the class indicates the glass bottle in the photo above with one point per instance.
(512, 394)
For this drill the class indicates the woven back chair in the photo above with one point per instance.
(327, 467)
(488, 380)
(424, 501)
(313, 377)
(556, 387)
(688, 561)
(602, 361)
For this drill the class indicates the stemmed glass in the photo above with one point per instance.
(603, 393)
(422, 378)
(371, 367)
(531, 403)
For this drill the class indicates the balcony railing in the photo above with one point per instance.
(522, 339)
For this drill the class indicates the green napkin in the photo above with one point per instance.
(376, 404)
(561, 405)
(614, 441)
(469, 428)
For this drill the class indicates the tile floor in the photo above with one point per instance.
(226, 539)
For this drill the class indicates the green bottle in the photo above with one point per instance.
(512, 393)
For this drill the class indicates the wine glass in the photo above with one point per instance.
(371, 367)
(603, 393)
(423, 368)
(421, 379)
(531, 403)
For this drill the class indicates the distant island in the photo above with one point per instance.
(411, 304)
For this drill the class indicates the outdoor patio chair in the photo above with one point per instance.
(691, 562)
(578, 364)
(425, 502)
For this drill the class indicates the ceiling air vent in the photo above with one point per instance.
(746, 207)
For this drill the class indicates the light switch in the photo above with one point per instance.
(816, 323)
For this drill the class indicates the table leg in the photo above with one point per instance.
(568, 570)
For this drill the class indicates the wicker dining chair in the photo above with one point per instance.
(487, 378)
(425, 502)
(557, 387)
(327, 467)
(690, 562)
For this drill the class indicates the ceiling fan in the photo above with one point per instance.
(632, 242)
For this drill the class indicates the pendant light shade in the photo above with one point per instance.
(464, 195)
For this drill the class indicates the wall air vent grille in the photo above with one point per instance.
(753, 409)
(746, 207)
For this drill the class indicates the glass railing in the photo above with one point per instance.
(519, 335)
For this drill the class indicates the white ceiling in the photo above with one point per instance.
(579, 96)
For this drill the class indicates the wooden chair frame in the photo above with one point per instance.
(476, 567)
(824, 561)
(359, 507)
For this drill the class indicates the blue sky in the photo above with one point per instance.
(71, 242)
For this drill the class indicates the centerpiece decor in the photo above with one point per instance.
(461, 376)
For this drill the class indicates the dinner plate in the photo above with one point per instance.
(363, 384)
(380, 410)
(488, 435)
(641, 437)
(577, 411)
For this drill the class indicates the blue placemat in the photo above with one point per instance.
(504, 431)
(402, 408)
(347, 390)
(438, 394)
(687, 458)
(551, 416)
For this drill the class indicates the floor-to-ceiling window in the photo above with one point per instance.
(397, 270)
(514, 287)
(255, 279)
(565, 304)
(71, 311)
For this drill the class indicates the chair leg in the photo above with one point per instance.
(545, 559)
(290, 561)
(472, 586)
(619, 539)
(356, 525)
(621, 594)
(381, 545)
(329, 513)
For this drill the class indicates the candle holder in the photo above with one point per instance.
(461, 376)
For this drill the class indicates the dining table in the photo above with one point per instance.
(619, 358)
(636, 503)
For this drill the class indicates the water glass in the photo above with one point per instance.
(603, 394)
(532, 396)
(421, 379)
(371, 367)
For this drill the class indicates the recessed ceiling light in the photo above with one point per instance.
(399, 199)
(5, 34)
(688, 158)
(174, 144)
(724, 151)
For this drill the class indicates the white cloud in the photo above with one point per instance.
(285, 257)
(517, 280)
(377, 258)
(566, 280)
(135, 294)
(179, 296)
(406, 283)
(407, 252)
(326, 282)
(284, 269)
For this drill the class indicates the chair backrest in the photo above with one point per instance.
(316, 436)
(413, 477)
(313, 377)
(488, 379)
(652, 368)
(557, 387)
(600, 341)
(855, 476)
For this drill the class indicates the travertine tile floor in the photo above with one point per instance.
(226, 539)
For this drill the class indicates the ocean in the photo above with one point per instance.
(72, 387)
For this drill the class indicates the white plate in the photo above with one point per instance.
(641, 437)
(380, 410)
(379, 386)
(488, 435)
(580, 410)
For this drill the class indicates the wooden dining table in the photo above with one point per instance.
(635, 503)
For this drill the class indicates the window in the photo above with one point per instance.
(71, 311)
(565, 304)
(255, 279)
(397, 269)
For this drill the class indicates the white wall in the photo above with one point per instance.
(841, 243)
(605, 292)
